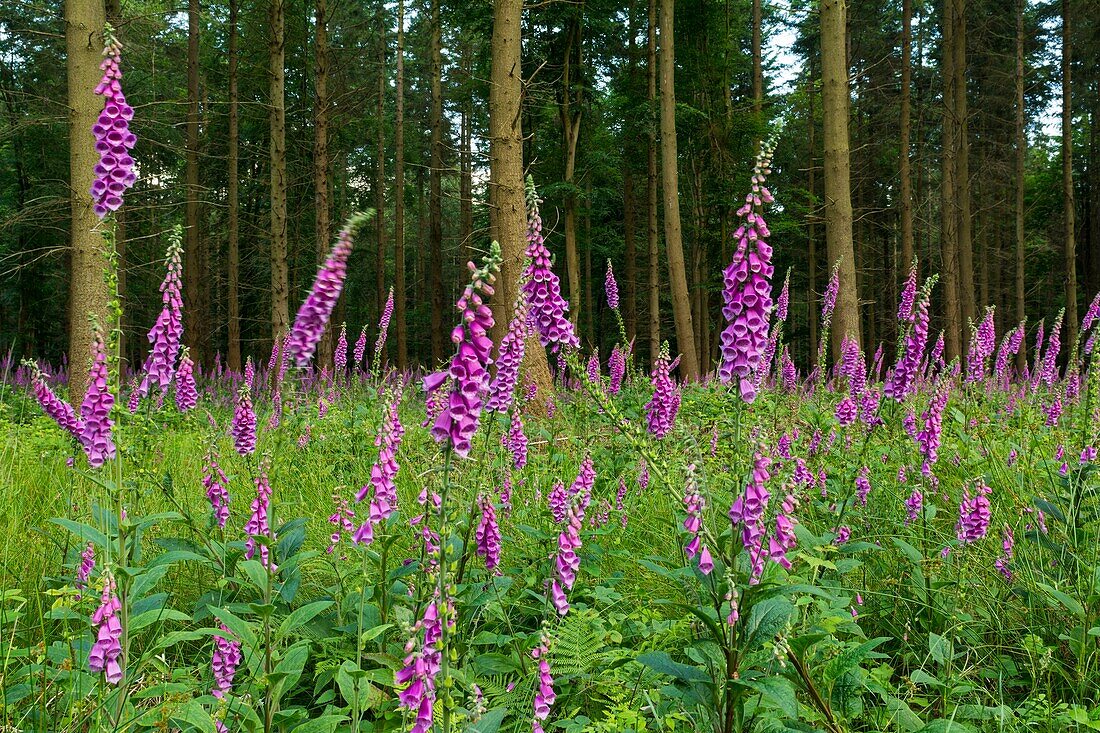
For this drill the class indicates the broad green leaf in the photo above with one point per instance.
(85, 532)
(663, 663)
(489, 722)
(778, 690)
(324, 724)
(765, 620)
(237, 626)
(302, 616)
(911, 553)
(194, 715)
(156, 615)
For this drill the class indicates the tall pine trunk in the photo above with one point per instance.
(1067, 176)
(811, 215)
(234, 204)
(380, 292)
(651, 187)
(435, 204)
(280, 308)
(670, 183)
(906, 192)
(838, 194)
(195, 318)
(949, 229)
(506, 181)
(967, 283)
(322, 199)
(87, 289)
(570, 113)
(400, 326)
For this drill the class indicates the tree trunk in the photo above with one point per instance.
(87, 289)
(757, 65)
(466, 172)
(590, 311)
(811, 215)
(838, 195)
(233, 244)
(570, 112)
(435, 205)
(651, 188)
(322, 200)
(1067, 177)
(506, 180)
(967, 282)
(280, 308)
(630, 254)
(400, 326)
(906, 193)
(194, 318)
(670, 180)
(949, 231)
(380, 290)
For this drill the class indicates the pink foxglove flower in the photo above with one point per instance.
(982, 345)
(747, 291)
(313, 316)
(422, 663)
(87, 564)
(488, 533)
(114, 173)
(509, 358)
(383, 474)
(611, 288)
(227, 657)
(106, 653)
(243, 428)
(187, 395)
(340, 356)
(469, 370)
(361, 348)
(541, 286)
(95, 410)
(747, 513)
(974, 514)
(166, 333)
(616, 366)
(217, 488)
(383, 331)
(662, 407)
(55, 408)
(259, 523)
(694, 503)
(545, 696)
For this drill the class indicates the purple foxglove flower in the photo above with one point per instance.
(383, 331)
(1008, 542)
(488, 534)
(114, 173)
(782, 541)
(55, 408)
(863, 485)
(935, 359)
(541, 285)
(611, 288)
(259, 523)
(928, 439)
(515, 440)
(1048, 374)
(982, 345)
(694, 503)
(788, 373)
(828, 302)
(747, 291)
(901, 384)
(1054, 411)
(383, 473)
(782, 304)
(87, 564)
(662, 407)
(545, 696)
(164, 337)
(469, 371)
(243, 428)
(106, 653)
(509, 358)
(913, 505)
(747, 512)
(341, 519)
(594, 367)
(250, 368)
(908, 296)
(187, 395)
(422, 664)
(616, 366)
(643, 475)
(340, 356)
(227, 657)
(973, 515)
(309, 325)
(217, 488)
(95, 410)
(1090, 314)
(846, 412)
(1010, 346)
(361, 348)
(843, 534)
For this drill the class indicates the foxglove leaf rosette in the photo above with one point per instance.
(747, 291)
(541, 285)
(313, 316)
(114, 173)
(469, 370)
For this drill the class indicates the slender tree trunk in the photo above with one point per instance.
(435, 205)
(949, 231)
(233, 154)
(322, 200)
(570, 112)
(651, 187)
(838, 195)
(757, 65)
(811, 187)
(967, 283)
(87, 289)
(400, 326)
(466, 173)
(590, 311)
(380, 290)
(670, 183)
(630, 254)
(280, 307)
(1067, 176)
(195, 319)
(506, 180)
(906, 193)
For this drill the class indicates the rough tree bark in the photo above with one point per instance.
(570, 112)
(811, 188)
(87, 289)
(400, 327)
(906, 193)
(280, 307)
(322, 200)
(381, 292)
(651, 187)
(967, 304)
(838, 194)
(1067, 176)
(435, 204)
(506, 181)
(949, 229)
(670, 179)
(233, 235)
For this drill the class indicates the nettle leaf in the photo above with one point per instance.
(663, 663)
